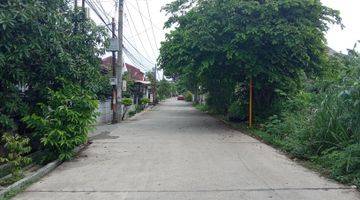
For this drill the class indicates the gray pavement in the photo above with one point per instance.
(176, 152)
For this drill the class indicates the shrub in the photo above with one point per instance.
(16, 147)
(344, 164)
(237, 112)
(188, 96)
(63, 122)
(202, 107)
(132, 113)
(127, 102)
(138, 108)
(144, 101)
(53, 49)
(323, 124)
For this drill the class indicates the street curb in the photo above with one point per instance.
(40, 173)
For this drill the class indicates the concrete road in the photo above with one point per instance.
(176, 152)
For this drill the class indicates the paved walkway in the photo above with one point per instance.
(176, 152)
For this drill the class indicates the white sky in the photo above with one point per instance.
(341, 40)
(338, 39)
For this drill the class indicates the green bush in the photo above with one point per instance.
(63, 122)
(323, 124)
(237, 112)
(202, 107)
(17, 148)
(132, 113)
(188, 96)
(144, 101)
(344, 164)
(127, 102)
(138, 108)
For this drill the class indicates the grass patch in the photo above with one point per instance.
(201, 107)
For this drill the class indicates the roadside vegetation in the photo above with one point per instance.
(50, 80)
(306, 101)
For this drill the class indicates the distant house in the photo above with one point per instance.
(135, 73)
(106, 65)
(142, 86)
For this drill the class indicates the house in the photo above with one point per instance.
(141, 88)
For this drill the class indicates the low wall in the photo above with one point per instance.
(105, 112)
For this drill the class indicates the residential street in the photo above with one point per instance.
(176, 152)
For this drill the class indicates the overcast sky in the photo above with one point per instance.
(137, 27)
(341, 40)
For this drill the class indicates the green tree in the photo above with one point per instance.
(40, 46)
(222, 44)
(164, 89)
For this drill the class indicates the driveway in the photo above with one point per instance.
(176, 152)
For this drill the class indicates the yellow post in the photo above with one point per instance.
(251, 103)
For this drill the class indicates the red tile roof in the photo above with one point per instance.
(135, 73)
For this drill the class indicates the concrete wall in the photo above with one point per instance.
(105, 112)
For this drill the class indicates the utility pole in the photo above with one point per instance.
(114, 100)
(119, 66)
(155, 85)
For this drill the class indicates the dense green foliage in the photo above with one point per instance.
(220, 45)
(144, 101)
(42, 45)
(16, 147)
(165, 89)
(237, 111)
(322, 122)
(64, 120)
(188, 96)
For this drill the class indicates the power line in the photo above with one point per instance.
(135, 35)
(152, 25)
(133, 58)
(97, 12)
(132, 5)
(129, 25)
(147, 35)
(137, 32)
(101, 8)
(91, 5)
(137, 50)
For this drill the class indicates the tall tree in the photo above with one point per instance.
(39, 52)
(221, 44)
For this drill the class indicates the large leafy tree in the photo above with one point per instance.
(42, 45)
(222, 44)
